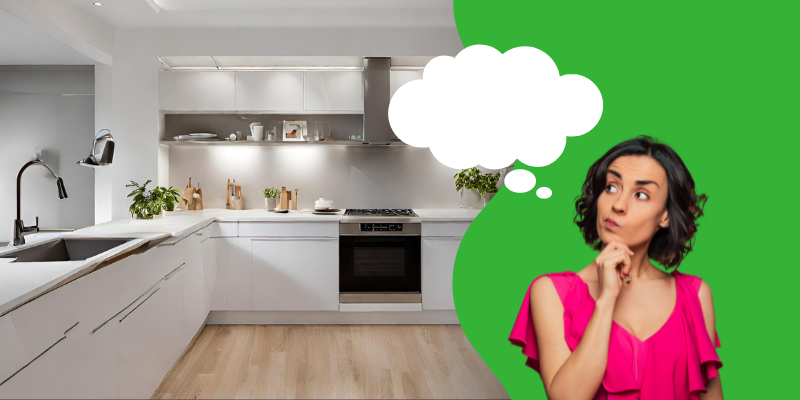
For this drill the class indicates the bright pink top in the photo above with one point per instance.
(676, 362)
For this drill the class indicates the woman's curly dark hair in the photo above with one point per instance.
(669, 245)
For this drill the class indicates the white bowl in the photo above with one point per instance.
(323, 204)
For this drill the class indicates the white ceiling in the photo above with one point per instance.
(272, 13)
(22, 44)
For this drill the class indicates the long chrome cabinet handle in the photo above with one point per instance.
(169, 275)
(64, 336)
(138, 305)
(126, 307)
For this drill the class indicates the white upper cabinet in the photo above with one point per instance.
(400, 78)
(334, 91)
(269, 90)
(197, 91)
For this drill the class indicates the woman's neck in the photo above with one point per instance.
(640, 263)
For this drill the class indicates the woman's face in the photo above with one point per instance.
(632, 207)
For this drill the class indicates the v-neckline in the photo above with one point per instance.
(674, 309)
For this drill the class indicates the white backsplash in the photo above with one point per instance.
(352, 176)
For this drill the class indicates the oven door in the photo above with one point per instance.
(380, 264)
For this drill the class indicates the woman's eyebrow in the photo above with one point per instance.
(640, 183)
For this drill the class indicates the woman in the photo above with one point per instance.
(621, 328)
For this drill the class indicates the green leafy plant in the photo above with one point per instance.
(147, 204)
(474, 179)
(271, 193)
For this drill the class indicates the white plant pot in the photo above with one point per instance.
(471, 199)
(270, 203)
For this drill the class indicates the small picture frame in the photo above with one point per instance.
(294, 131)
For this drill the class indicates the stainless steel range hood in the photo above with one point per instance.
(376, 100)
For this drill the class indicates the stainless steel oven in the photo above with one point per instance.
(380, 261)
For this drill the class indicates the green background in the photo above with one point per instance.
(717, 82)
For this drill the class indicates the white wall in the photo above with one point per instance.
(50, 109)
(352, 176)
(135, 117)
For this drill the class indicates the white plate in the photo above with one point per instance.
(202, 135)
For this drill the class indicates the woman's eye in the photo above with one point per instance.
(610, 187)
(644, 194)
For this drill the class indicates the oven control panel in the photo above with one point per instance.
(381, 227)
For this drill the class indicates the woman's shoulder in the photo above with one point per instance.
(562, 281)
(692, 281)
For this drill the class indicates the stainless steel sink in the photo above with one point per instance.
(65, 249)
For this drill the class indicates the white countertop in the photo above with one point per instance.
(20, 282)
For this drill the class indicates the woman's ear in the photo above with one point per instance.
(664, 219)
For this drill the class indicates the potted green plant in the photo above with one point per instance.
(147, 204)
(474, 184)
(271, 198)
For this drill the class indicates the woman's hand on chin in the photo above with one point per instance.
(613, 265)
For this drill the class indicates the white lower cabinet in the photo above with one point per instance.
(143, 359)
(52, 347)
(295, 274)
(438, 260)
(240, 274)
(219, 299)
(194, 314)
(173, 286)
(209, 249)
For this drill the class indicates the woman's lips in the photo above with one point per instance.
(610, 223)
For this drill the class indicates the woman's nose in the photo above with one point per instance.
(619, 206)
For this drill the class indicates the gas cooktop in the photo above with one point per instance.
(380, 212)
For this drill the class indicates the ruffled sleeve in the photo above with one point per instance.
(704, 363)
(522, 334)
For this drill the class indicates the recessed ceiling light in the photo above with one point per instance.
(98, 4)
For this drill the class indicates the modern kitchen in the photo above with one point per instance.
(209, 201)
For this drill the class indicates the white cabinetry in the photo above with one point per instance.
(193, 287)
(209, 249)
(334, 91)
(173, 286)
(400, 78)
(240, 274)
(197, 91)
(52, 348)
(269, 91)
(440, 241)
(297, 274)
(219, 299)
(142, 346)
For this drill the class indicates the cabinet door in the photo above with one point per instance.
(193, 304)
(52, 374)
(196, 91)
(400, 78)
(240, 274)
(296, 274)
(438, 259)
(143, 359)
(174, 287)
(334, 91)
(269, 90)
(219, 300)
(209, 250)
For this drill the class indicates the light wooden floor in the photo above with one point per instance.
(331, 361)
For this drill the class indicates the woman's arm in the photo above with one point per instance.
(714, 387)
(565, 374)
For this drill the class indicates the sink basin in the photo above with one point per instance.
(65, 249)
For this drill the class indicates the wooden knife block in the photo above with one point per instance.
(235, 201)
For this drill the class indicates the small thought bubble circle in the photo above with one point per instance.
(544, 192)
(520, 181)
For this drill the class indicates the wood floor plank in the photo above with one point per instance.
(331, 361)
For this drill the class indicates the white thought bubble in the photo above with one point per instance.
(487, 108)
(520, 180)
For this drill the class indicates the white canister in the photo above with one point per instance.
(258, 133)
